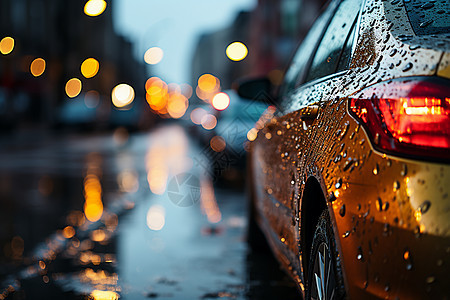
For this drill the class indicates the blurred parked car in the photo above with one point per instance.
(85, 113)
(224, 143)
(350, 178)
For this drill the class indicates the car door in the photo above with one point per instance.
(283, 144)
(274, 169)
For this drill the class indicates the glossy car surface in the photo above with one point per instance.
(362, 134)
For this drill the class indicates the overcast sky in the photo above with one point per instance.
(173, 25)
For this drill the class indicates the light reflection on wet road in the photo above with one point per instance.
(151, 241)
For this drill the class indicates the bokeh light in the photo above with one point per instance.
(104, 295)
(208, 82)
(37, 67)
(153, 55)
(93, 206)
(92, 99)
(186, 90)
(68, 232)
(122, 95)
(252, 134)
(6, 45)
(73, 87)
(94, 8)
(177, 105)
(217, 143)
(89, 67)
(157, 177)
(236, 51)
(98, 235)
(157, 94)
(128, 181)
(156, 217)
(197, 115)
(174, 88)
(209, 121)
(221, 101)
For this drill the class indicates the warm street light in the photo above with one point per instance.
(236, 51)
(220, 101)
(37, 67)
(6, 45)
(153, 55)
(208, 83)
(122, 95)
(73, 87)
(94, 8)
(90, 67)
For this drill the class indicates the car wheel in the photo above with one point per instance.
(325, 279)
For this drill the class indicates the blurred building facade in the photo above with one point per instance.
(210, 57)
(271, 31)
(64, 36)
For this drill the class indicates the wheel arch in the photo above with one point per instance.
(312, 205)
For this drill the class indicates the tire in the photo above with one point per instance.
(325, 279)
(255, 237)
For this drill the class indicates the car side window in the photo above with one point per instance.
(327, 56)
(298, 65)
(346, 55)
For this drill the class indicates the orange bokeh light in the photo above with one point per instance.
(208, 83)
(73, 87)
(37, 67)
(6, 45)
(90, 67)
(177, 105)
(217, 143)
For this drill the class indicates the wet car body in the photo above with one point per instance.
(388, 203)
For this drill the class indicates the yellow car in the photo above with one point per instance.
(350, 176)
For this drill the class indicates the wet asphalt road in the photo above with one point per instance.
(135, 216)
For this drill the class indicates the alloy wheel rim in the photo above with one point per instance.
(323, 281)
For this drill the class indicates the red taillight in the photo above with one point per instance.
(408, 117)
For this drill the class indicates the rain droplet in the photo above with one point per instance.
(385, 206)
(407, 257)
(430, 279)
(379, 204)
(404, 170)
(427, 5)
(396, 185)
(375, 170)
(338, 183)
(359, 255)
(342, 210)
(407, 67)
(417, 232)
(424, 207)
(425, 24)
(393, 52)
(346, 234)
(331, 197)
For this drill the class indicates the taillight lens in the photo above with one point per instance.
(410, 117)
